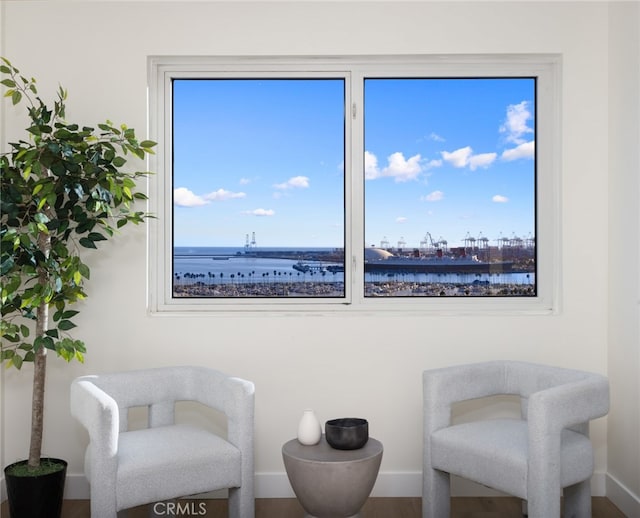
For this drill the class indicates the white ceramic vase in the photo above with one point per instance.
(309, 429)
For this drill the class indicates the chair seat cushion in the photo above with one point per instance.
(494, 453)
(171, 461)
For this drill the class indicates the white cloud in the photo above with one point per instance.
(183, 197)
(515, 124)
(245, 181)
(483, 160)
(297, 182)
(371, 170)
(222, 195)
(401, 169)
(464, 157)
(498, 198)
(401, 219)
(459, 157)
(259, 212)
(524, 150)
(433, 196)
(436, 138)
(398, 167)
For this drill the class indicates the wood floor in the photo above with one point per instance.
(374, 508)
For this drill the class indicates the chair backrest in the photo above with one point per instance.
(473, 381)
(525, 379)
(159, 389)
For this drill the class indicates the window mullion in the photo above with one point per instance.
(356, 202)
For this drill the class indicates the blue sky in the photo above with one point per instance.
(452, 157)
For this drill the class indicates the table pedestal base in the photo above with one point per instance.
(332, 483)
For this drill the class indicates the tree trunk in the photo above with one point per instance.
(39, 364)
(37, 404)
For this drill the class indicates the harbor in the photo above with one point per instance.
(431, 270)
(199, 275)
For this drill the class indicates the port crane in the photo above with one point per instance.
(428, 243)
(428, 240)
(250, 245)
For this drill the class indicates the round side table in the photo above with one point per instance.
(332, 483)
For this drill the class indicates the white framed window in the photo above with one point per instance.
(342, 184)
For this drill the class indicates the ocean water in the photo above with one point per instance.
(219, 265)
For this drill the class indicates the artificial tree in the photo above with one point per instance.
(65, 189)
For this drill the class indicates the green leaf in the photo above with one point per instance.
(95, 236)
(9, 83)
(6, 265)
(84, 270)
(27, 172)
(38, 343)
(65, 325)
(49, 343)
(87, 243)
(16, 360)
(119, 161)
(6, 354)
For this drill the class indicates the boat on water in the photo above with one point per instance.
(383, 261)
(301, 267)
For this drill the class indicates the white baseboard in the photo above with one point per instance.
(388, 484)
(622, 497)
(399, 484)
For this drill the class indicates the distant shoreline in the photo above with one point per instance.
(334, 290)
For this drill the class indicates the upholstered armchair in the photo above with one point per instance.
(533, 457)
(166, 460)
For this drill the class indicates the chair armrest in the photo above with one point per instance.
(239, 401)
(555, 408)
(552, 410)
(98, 413)
(239, 408)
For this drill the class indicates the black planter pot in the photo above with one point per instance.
(35, 496)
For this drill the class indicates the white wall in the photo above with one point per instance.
(624, 281)
(365, 365)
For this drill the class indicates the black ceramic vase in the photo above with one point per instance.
(36, 496)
